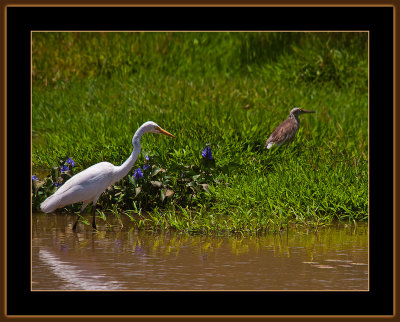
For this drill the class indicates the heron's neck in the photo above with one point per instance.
(124, 168)
(295, 117)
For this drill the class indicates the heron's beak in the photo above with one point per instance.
(305, 111)
(165, 132)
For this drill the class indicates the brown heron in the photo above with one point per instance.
(286, 131)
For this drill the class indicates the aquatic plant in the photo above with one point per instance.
(206, 153)
(147, 188)
(64, 168)
(138, 174)
(71, 162)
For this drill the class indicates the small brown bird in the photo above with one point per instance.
(286, 131)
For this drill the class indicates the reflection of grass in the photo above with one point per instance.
(92, 90)
(328, 239)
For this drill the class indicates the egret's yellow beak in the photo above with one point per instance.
(165, 132)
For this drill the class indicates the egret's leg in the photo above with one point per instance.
(80, 214)
(94, 212)
(94, 217)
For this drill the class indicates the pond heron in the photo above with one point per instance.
(286, 131)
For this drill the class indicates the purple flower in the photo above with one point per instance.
(146, 165)
(64, 168)
(57, 184)
(71, 162)
(207, 154)
(138, 174)
(34, 177)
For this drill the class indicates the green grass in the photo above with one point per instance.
(91, 91)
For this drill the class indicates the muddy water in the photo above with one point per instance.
(335, 258)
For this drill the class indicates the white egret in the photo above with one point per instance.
(88, 185)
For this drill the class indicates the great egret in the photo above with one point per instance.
(286, 131)
(88, 185)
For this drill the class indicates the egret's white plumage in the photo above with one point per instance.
(88, 185)
(84, 186)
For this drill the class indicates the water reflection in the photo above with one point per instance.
(332, 259)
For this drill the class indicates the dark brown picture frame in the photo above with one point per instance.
(10, 308)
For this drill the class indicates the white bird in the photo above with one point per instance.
(88, 185)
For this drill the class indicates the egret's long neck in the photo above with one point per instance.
(124, 168)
